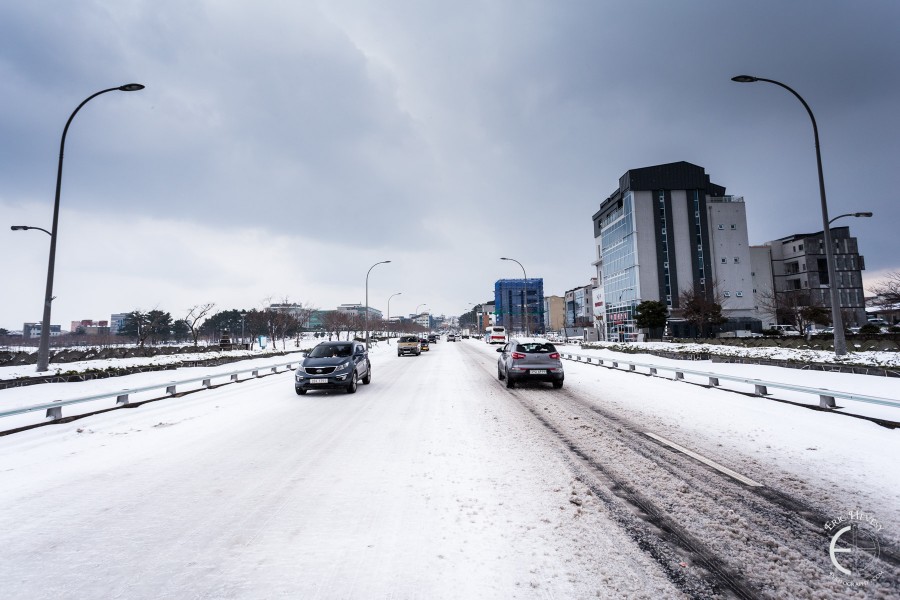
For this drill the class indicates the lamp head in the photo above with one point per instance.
(862, 214)
(744, 78)
(18, 227)
(131, 87)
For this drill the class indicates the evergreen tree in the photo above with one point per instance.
(651, 314)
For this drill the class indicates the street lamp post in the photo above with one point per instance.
(389, 313)
(524, 297)
(367, 298)
(44, 347)
(243, 314)
(840, 341)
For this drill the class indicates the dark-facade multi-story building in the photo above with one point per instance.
(665, 230)
(33, 330)
(511, 296)
(799, 267)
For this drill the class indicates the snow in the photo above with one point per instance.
(432, 482)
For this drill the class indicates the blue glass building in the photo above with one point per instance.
(511, 295)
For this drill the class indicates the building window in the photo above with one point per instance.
(737, 259)
(801, 247)
(739, 294)
(724, 260)
(727, 294)
(733, 226)
(721, 226)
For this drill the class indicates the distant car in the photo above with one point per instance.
(409, 344)
(452, 337)
(424, 343)
(333, 365)
(529, 359)
(786, 329)
(433, 338)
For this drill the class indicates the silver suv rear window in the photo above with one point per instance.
(536, 348)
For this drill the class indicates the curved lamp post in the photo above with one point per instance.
(856, 214)
(43, 362)
(840, 341)
(27, 227)
(389, 313)
(367, 298)
(524, 296)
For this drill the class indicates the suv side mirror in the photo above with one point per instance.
(500, 349)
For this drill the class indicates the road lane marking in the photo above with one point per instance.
(704, 460)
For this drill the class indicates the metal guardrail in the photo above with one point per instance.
(761, 387)
(54, 409)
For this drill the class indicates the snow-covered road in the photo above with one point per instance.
(433, 482)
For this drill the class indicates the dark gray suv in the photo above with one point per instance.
(333, 365)
(529, 359)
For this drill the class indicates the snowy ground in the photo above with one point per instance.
(437, 482)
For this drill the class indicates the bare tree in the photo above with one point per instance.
(195, 318)
(702, 307)
(887, 291)
(794, 307)
(332, 321)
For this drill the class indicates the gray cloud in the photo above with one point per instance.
(445, 134)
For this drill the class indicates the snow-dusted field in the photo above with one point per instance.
(437, 482)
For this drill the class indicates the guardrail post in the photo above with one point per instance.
(761, 390)
(234, 377)
(713, 381)
(274, 369)
(600, 361)
(121, 399)
(588, 359)
(255, 373)
(170, 390)
(679, 375)
(54, 413)
(631, 367)
(615, 365)
(207, 383)
(653, 370)
(827, 401)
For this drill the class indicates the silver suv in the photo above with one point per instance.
(529, 359)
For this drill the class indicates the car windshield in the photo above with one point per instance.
(331, 351)
(409, 338)
(536, 347)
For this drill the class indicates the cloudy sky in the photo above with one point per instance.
(281, 147)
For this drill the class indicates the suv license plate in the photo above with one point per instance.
(538, 371)
(314, 381)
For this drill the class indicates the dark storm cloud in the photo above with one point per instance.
(457, 129)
